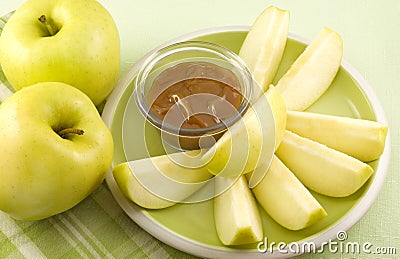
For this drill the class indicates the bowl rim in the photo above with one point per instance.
(182, 46)
(160, 232)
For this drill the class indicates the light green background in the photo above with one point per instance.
(370, 31)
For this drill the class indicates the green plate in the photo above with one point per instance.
(190, 227)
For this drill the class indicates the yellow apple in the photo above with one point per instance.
(236, 214)
(362, 139)
(252, 141)
(322, 169)
(285, 198)
(263, 47)
(71, 41)
(161, 181)
(55, 150)
(312, 72)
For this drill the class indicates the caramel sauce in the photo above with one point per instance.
(195, 95)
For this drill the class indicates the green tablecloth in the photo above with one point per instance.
(98, 227)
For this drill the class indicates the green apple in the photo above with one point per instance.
(55, 150)
(263, 47)
(70, 41)
(236, 214)
(286, 199)
(161, 181)
(312, 72)
(322, 169)
(362, 139)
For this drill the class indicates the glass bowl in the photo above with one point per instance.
(184, 123)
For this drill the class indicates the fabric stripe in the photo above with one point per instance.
(4, 92)
(4, 19)
(15, 234)
(89, 234)
(67, 237)
(78, 236)
(145, 241)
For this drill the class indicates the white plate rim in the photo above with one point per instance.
(187, 245)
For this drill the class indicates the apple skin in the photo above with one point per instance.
(84, 53)
(42, 173)
(161, 181)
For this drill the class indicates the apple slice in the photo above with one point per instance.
(263, 46)
(236, 214)
(322, 169)
(279, 112)
(161, 181)
(286, 199)
(278, 107)
(312, 72)
(135, 191)
(249, 142)
(362, 139)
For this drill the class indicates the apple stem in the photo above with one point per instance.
(51, 28)
(66, 131)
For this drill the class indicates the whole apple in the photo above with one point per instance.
(55, 150)
(70, 41)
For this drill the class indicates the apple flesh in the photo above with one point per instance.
(250, 142)
(263, 47)
(55, 150)
(279, 112)
(286, 199)
(135, 191)
(161, 181)
(322, 169)
(236, 214)
(77, 43)
(361, 139)
(278, 108)
(312, 72)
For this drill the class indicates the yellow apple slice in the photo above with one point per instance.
(362, 139)
(248, 143)
(322, 169)
(135, 191)
(286, 199)
(236, 214)
(278, 108)
(161, 181)
(263, 46)
(279, 112)
(312, 72)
